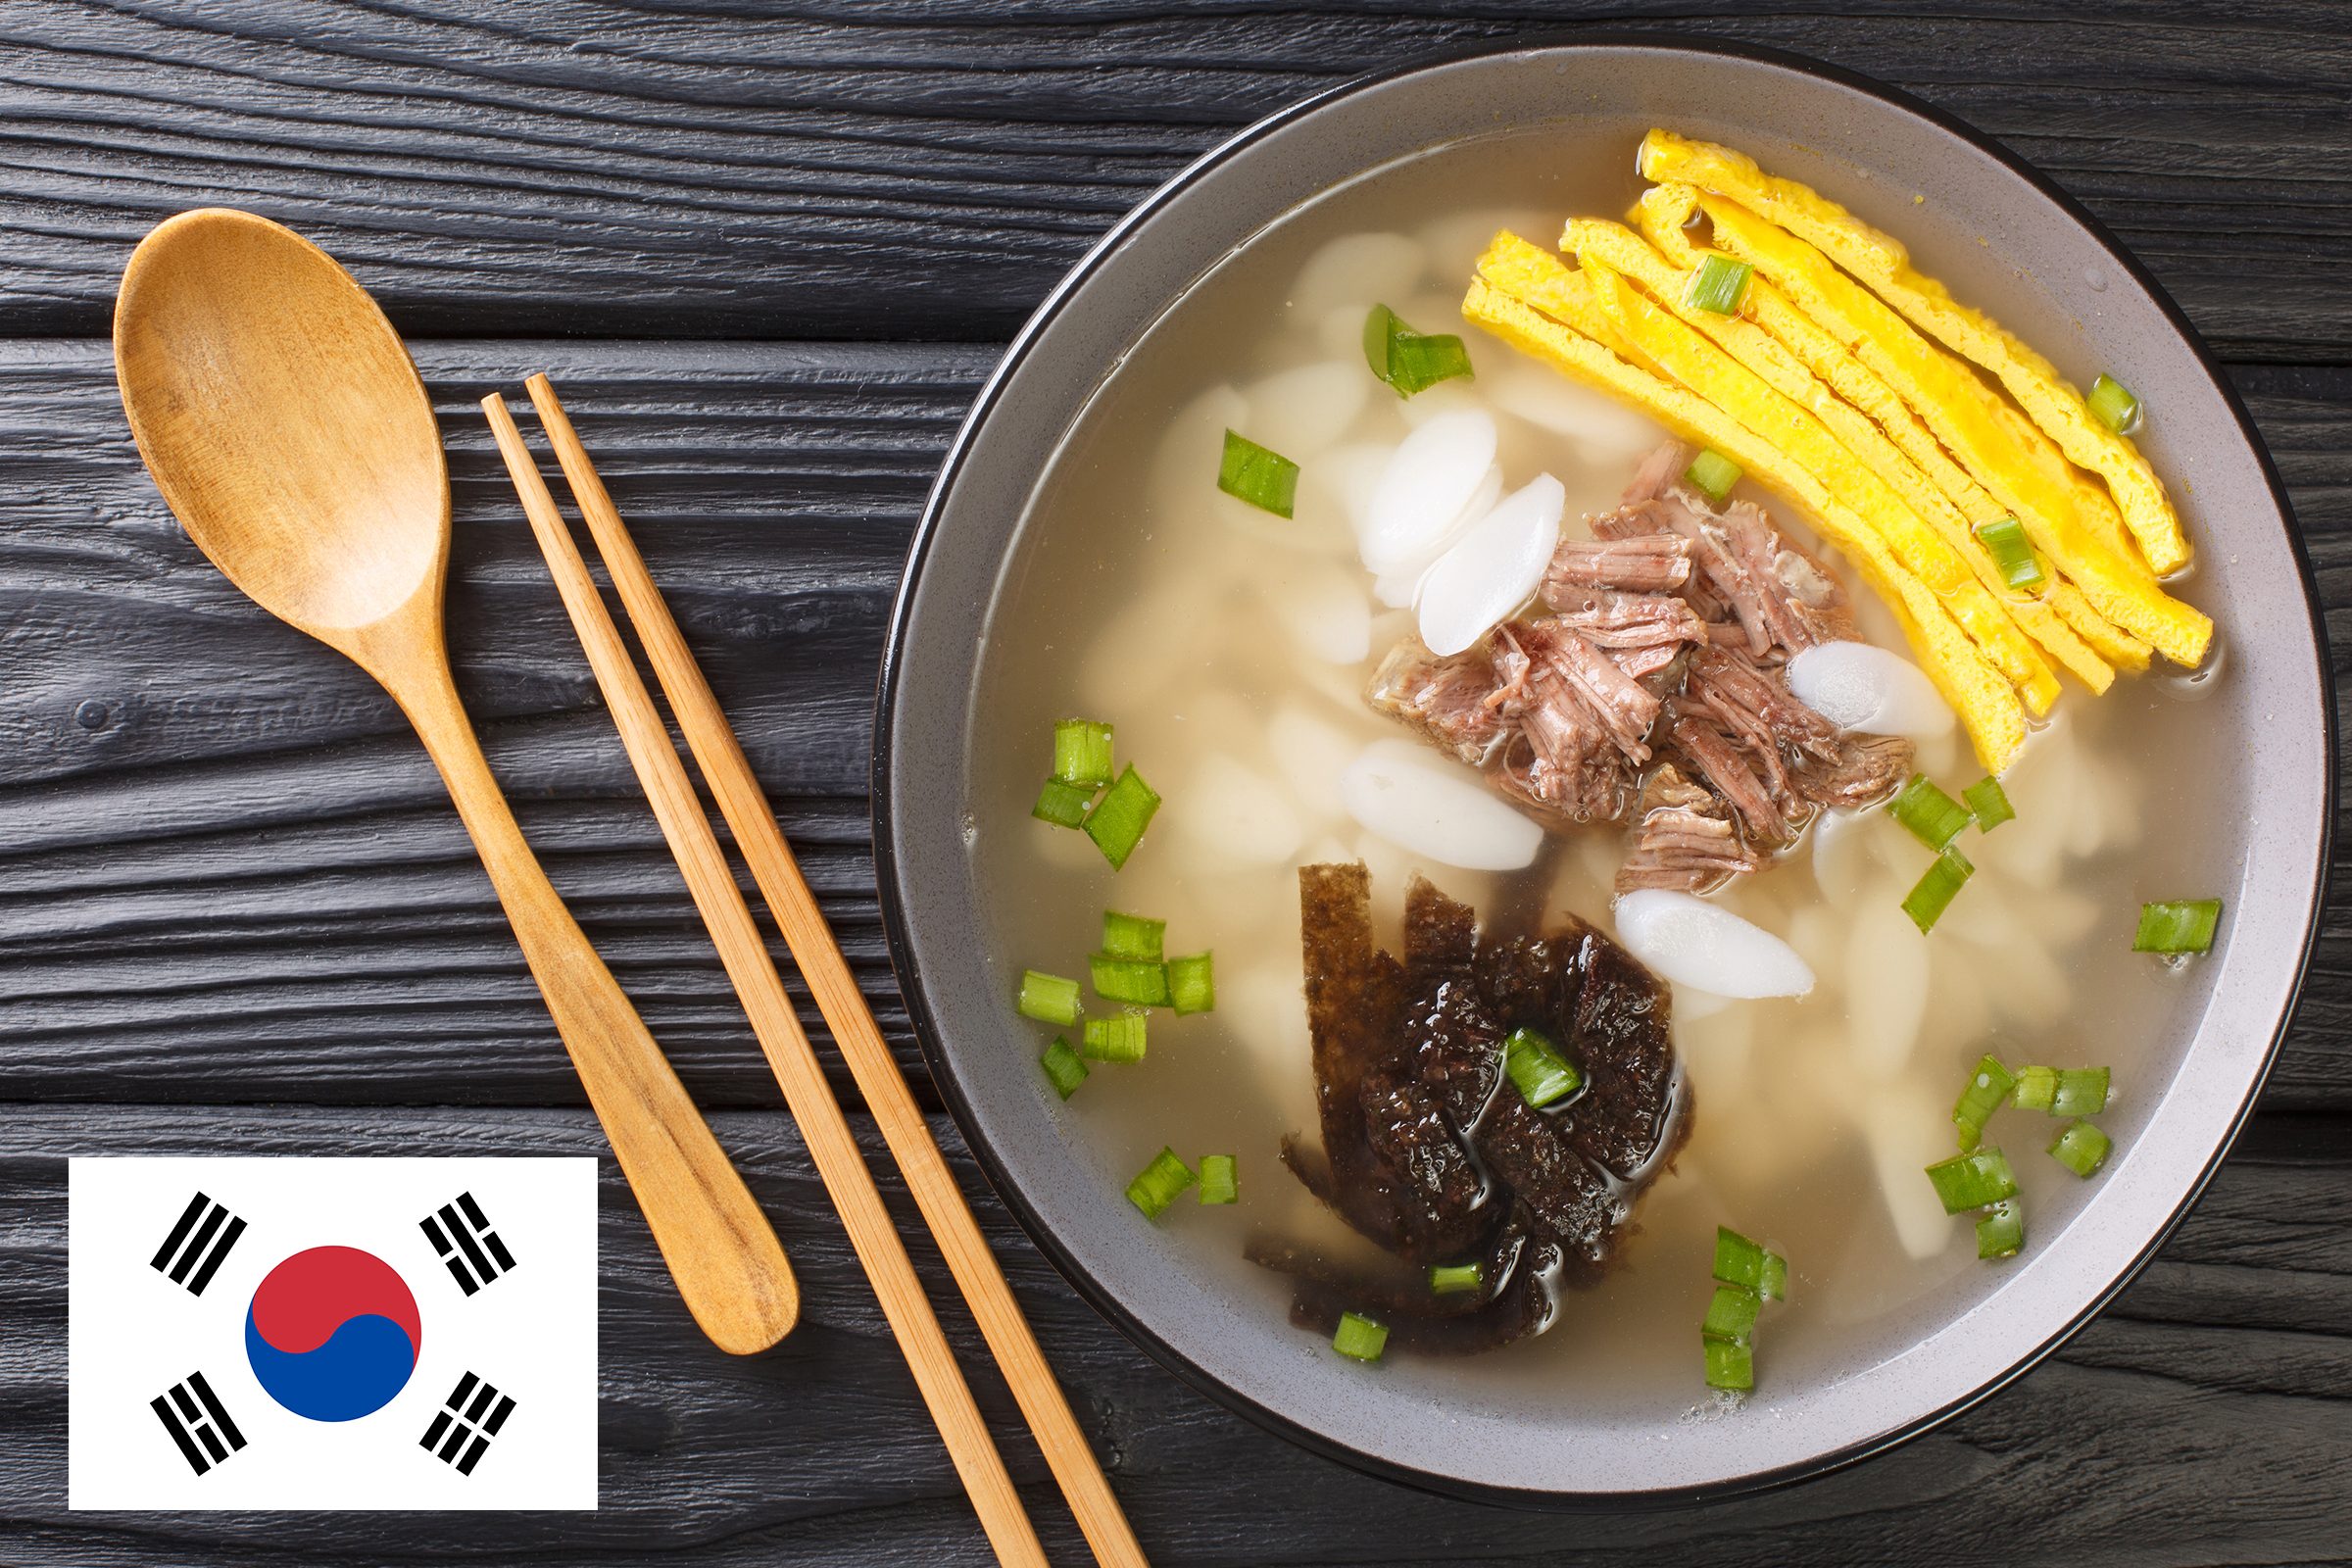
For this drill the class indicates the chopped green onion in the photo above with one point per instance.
(1933, 892)
(1738, 1260)
(1116, 823)
(1063, 1066)
(2184, 926)
(1381, 328)
(2004, 539)
(2113, 405)
(1136, 980)
(1421, 359)
(1062, 804)
(1973, 1180)
(1131, 936)
(1410, 362)
(1989, 804)
(1712, 474)
(1159, 1183)
(2081, 1148)
(1933, 817)
(2063, 1091)
(1536, 1066)
(1049, 998)
(1191, 984)
(1731, 1315)
(1718, 285)
(1451, 1279)
(1359, 1339)
(1988, 1090)
(1746, 1276)
(2001, 1232)
(1082, 752)
(1217, 1183)
(1116, 1039)
(1730, 1364)
(2081, 1091)
(1266, 480)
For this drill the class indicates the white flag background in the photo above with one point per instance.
(133, 1334)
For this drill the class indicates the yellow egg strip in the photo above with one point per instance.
(1662, 213)
(1862, 386)
(1723, 381)
(1881, 261)
(2001, 448)
(2114, 644)
(1940, 391)
(1987, 703)
(1629, 254)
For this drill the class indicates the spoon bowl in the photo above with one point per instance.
(303, 456)
(289, 431)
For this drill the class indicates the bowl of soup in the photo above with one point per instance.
(1604, 771)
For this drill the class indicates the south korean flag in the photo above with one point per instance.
(331, 1334)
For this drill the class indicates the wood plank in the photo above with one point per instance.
(181, 770)
(246, 872)
(927, 169)
(2221, 1375)
(2305, 416)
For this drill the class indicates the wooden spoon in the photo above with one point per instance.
(285, 426)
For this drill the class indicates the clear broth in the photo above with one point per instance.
(1206, 633)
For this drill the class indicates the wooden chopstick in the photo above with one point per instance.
(795, 910)
(823, 1129)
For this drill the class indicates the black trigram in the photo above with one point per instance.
(194, 1417)
(461, 1431)
(200, 1239)
(467, 1243)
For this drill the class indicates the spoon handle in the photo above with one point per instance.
(729, 1266)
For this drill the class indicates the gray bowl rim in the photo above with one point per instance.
(889, 873)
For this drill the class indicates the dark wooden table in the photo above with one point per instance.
(770, 250)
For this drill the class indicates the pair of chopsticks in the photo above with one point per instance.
(823, 1129)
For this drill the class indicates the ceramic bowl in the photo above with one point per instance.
(2254, 780)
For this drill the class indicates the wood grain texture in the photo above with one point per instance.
(247, 874)
(752, 821)
(252, 799)
(2222, 1373)
(235, 908)
(907, 168)
(742, 948)
(289, 432)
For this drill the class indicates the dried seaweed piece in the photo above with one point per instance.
(1352, 996)
(1521, 977)
(1618, 1031)
(1436, 1191)
(1441, 934)
(1515, 1300)
(1431, 1151)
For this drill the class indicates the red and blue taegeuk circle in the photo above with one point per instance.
(332, 1333)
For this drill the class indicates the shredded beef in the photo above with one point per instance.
(1562, 660)
(1683, 839)
(1660, 659)
(1612, 618)
(1648, 563)
(1449, 702)
(1865, 770)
